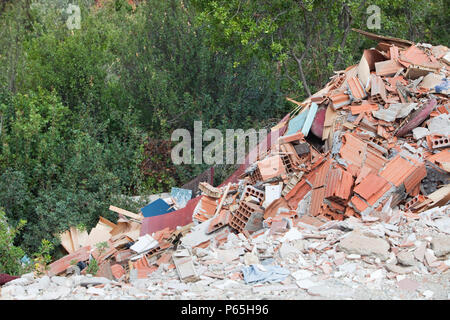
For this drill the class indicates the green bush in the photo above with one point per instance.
(10, 254)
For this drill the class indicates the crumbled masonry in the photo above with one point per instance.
(369, 204)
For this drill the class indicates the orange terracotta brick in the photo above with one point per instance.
(117, 270)
(358, 203)
(397, 170)
(370, 185)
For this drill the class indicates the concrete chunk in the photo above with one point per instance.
(441, 245)
(365, 246)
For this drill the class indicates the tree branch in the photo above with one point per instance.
(300, 71)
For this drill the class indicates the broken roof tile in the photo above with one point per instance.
(393, 52)
(440, 157)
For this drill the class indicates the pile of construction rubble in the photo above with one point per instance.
(376, 191)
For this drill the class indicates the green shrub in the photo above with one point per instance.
(10, 254)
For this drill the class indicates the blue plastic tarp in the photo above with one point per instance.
(267, 273)
(443, 86)
(156, 208)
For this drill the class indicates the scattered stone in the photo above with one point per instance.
(93, 281)
(250, 258)
(406, 258)
(366, 246)
(302, 274)
(287, 249)
(376, 275)
(95, 291)
(306, 283)
(399, 269)
(62, 281)
(419, 253)
(18, 282)
(441, 245)
(408, 284)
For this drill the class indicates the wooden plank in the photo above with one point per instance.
(126, 213)
(66, 241)
(223, 199)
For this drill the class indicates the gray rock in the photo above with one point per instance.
(18, 282)
(306, 283)
(7, 291)
(420, 132)
(96, 291)
(62, 281)
(320, 290)
(406, 258)
(74, 270)
(44, 282)
(348, 267)
(443, 224)
(63, 291)
(287, 249)
(365, 246)
(33, 290)
(250, 258)
(141, 283)
(93, 281)
(52, 295)
(29, 276)
(399, 269)
(19, 291)
(441, 245)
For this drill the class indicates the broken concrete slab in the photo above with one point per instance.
(406, 258)
(356, 243)
(184, 265)
(441, 245)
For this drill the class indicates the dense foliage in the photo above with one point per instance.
(78, 107)
(10, 254)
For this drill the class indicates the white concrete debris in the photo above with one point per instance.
(366, 259)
